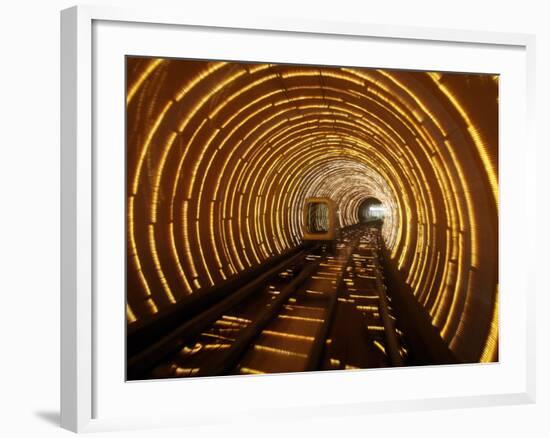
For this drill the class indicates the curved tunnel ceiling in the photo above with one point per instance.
(221, 157)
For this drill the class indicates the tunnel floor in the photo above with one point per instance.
(327, 309)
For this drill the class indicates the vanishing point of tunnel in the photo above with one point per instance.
(286, 218)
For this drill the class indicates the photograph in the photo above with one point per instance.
(275, 219)
(284, 218)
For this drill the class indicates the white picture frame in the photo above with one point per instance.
(82, 369)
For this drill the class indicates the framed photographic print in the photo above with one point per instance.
(290, 217)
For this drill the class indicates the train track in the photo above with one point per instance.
(323, 309)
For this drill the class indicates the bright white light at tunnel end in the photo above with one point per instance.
(377, 208)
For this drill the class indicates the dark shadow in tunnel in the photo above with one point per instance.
(428, 348)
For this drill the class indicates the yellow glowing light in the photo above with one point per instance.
(490, 352)
(153, 64)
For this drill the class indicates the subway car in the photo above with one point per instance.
(320, 220)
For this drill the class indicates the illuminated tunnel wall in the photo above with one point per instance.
(221, 157)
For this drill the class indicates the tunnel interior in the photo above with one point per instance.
(222, 156)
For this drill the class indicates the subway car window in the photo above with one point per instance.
(318, 217)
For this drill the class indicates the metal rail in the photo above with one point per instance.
(229, 359)
(144, 361)
(145, 332)
(389, 328)
(316, 355)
